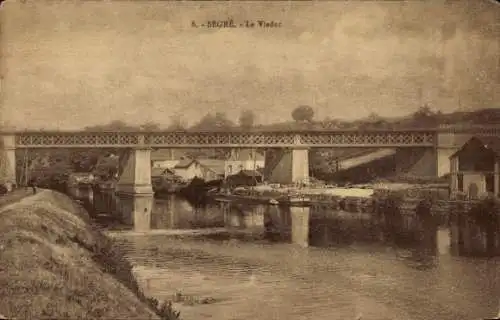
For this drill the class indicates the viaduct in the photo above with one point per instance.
(429, 149)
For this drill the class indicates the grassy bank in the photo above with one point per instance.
(54, 265)
(14, 196)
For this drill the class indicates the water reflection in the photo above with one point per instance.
(318, 227)
(422, 278)
(174, 212)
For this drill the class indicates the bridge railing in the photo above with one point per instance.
(226, 139)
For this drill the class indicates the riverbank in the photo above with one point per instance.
(14, 196)
(360, 191)
(268, 190)
(56, 266)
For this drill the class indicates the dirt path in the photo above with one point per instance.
(14, 197)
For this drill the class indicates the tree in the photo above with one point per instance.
(329, 122)
(303, 113)
(177, 123)
(116, 125)
(373, 117)
(247, 119)
(150, 126)
(84, 160)
(425, 117)
(214, 122)
(373, 121)
(222, 122)
(107, 167)
(422, 112)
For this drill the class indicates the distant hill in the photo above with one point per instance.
(483, 116)
(424, 118)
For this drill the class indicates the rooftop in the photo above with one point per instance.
(488, 142)
(156, 172)
(184, 163)
(216, 166)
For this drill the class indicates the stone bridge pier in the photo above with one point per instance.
(8, 161)
(134, 188)
(136, 175)
(288, 165)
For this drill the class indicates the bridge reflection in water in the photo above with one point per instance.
(315, 226)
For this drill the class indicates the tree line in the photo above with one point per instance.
(209, 122)
(302, 116)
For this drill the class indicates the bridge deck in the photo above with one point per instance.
(225, 139)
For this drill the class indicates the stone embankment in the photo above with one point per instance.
(54, 265)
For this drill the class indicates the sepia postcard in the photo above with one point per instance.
(241, 160)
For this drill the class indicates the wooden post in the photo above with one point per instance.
(454, 174)
(496, 178)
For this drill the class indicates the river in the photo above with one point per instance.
(346, 272)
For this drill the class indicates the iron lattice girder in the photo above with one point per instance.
(225, 139)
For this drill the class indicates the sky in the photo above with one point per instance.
(67, 65)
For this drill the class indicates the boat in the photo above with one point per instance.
(198, 188)
(247, 198)
(168, 188)
(273, 201)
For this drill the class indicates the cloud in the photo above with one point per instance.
(144, 61)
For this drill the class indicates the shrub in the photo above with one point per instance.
(485, 213)
(3, 189)
(163, 310)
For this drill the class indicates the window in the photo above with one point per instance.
(473, 190)
(498, 187)
(229, 169)
(490, 182)
(460, 179)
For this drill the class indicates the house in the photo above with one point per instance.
(244, 159)
(475, 167)
(212, 169)
(205, 169)
(187, 169)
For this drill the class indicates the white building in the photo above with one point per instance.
(176, 159)
(205, 169)
(244, 159)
